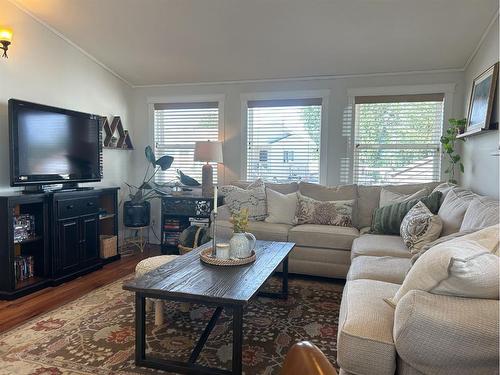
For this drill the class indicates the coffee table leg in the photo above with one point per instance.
(284, 289)
(237, 340)
(140, 328)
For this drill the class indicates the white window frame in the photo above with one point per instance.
(219, 98)
(448, 89)
(286, 95)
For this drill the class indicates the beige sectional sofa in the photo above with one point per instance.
(426, 333)
(320, 250)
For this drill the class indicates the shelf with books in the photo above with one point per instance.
(178, 213)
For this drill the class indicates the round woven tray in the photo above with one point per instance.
(206, 257)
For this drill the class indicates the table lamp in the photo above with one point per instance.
(208, 151)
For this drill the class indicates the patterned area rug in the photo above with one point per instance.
(95, 334)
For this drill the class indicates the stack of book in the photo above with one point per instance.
(172, 229)
(24, 267)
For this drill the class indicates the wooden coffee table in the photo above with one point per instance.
(187, 279)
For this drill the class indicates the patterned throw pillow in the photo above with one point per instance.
(419, 227)
(253, 198)
(311, 211)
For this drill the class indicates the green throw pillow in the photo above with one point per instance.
(387, 219)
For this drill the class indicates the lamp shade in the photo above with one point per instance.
(5, 35)
(208, 151)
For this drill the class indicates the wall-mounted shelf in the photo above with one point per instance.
(115, 137)
(471, 133)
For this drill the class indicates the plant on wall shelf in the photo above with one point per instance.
(449, 141)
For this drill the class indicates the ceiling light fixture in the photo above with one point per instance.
(5, 41)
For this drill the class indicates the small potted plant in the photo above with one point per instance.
(137, 210)
(242, 243)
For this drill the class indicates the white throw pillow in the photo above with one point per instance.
(466, 267)
(253, 198)
(481, 213)
(388, 197)
(420, 227)
(281, 208)
(453, 209)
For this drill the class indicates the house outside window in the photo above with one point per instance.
(396, 139)
(289, 131)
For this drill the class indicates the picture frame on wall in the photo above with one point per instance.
(481, 100)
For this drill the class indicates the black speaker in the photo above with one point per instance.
(136, 214)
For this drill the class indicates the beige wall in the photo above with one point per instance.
(481, 168)
(232, 92)
(46, 69)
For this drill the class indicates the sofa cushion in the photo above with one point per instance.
(453, 209)
(481, 213)
(463, 267)
(388, 197)
(379, 245)
(281, 208)
(369, 198)
(364, 340)
(324, 236)
(284, 188)
(387, 219)
(328, 193)
(388, 269)
(420, 227)
(312, 211)
(444, 188)
(260, 229)
(253, 198)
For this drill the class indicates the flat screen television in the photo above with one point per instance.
(51, 145)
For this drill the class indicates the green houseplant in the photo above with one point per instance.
(449, 141)
(137, 210)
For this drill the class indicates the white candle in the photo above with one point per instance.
(215, 199)
(223, 251)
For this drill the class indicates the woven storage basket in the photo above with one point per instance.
(108, 246)
(186, 249)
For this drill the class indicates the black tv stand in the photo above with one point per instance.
(65, 242)
(66, 187)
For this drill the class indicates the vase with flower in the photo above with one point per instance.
(242, 243)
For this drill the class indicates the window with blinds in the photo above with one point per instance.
(283, 139)
(396, 139)
(177, 127)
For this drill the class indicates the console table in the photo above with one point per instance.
(179, 212)
(64, 242)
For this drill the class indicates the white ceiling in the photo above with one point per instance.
(177, 41)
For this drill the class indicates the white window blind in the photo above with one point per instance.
(283, 139)
(177, 127)
(396, 139)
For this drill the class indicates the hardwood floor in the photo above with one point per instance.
(14, 313)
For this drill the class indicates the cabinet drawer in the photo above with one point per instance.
(77, 206)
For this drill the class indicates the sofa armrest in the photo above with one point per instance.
(446, 334)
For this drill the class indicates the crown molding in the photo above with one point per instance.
(70, 42)
(481, 40)
(305, 78)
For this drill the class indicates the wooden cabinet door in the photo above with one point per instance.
(68, 247)
(89, 239)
